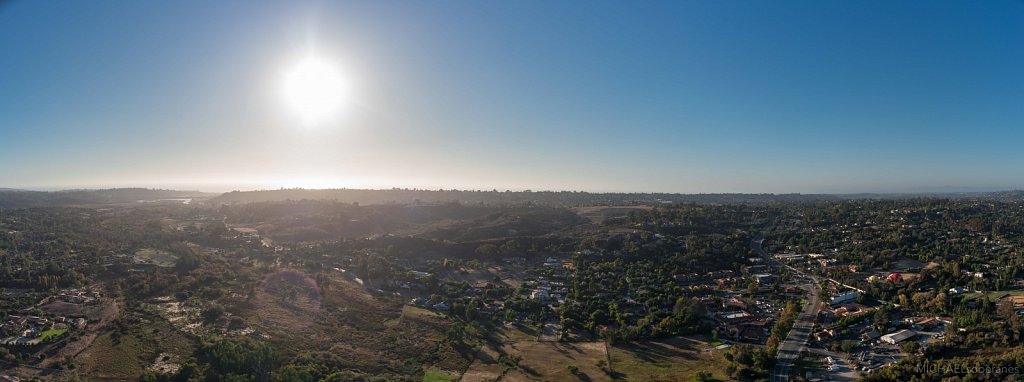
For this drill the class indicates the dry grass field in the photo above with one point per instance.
(375, 334)
(155, 257)
(114, 356)
(540, 361)
(673, 359)
(598, 214)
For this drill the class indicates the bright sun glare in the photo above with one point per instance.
(315, 90)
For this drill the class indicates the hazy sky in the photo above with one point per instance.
(678, 96)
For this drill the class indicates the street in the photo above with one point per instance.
(796, 340)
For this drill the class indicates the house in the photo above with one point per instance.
(850, 309)
(895, 278)
(540, 294)
(751, 333)
(870, 336)
(765, 278)
(932, 323)
(734, 302)
(754, 269)
(900, 336)
(794, 291)
(824, 335)
(734, 317)
(789, 256)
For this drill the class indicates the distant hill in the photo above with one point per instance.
(546, 198)
(568, 198)
(14, 198)
(20, 198)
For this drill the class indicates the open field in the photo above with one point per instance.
(1013, 294)
(1016, 295)
(519, 333)
(113, 358)
(598, 214)
(673, 359)
(373, 334)
(539, 361)
(473, 276)
(116, 356)
(287, 300)
(435, 375)
(155, 257)
(52, 334)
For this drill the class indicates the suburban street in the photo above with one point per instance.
(796, 340)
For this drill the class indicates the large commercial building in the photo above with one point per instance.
(900, 336)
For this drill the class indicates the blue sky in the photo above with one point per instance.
(674, 96)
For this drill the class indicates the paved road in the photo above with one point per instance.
(756, 245)
(796, 340)
(844, 371)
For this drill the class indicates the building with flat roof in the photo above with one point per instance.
(844, 297)
(764, 278)
(900, 336)
(789, 256)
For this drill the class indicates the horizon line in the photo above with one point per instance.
(520, 190)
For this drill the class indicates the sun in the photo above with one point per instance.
(315, 90)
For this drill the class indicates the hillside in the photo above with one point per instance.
(21, 199)
(494, 197)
